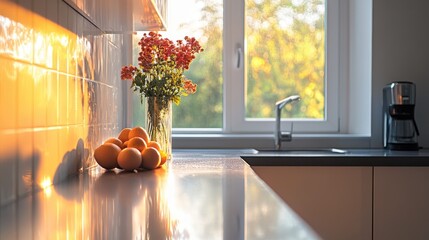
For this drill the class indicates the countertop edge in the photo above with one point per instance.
(369, 161)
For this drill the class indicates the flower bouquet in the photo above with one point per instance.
(159, 77)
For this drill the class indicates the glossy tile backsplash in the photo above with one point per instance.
(60, 93)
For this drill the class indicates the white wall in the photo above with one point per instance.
(360, 38)
(400, 50)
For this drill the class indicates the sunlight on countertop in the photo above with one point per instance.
(193, 197)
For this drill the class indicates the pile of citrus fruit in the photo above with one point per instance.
(131, 150)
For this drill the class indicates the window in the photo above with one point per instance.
(256, 53)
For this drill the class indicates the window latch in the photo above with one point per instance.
(239, 56)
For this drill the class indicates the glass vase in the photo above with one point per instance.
(159, 122)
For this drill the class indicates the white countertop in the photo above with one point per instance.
(197, 195)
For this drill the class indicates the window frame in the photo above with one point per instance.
(234, 120)
(234, 79)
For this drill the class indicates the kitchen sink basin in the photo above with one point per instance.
(296, 157)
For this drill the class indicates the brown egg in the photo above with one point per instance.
(106, 155)
(137, 142)
(123, 135)
(151, 158)
(129, 159)
(154, 144)
(115, 141)
(139, 132)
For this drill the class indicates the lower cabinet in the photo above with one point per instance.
(335, 201)
(401, 203)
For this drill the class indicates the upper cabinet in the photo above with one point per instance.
(123, 16)
(149, 15)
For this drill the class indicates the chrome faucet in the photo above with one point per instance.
(280, 136)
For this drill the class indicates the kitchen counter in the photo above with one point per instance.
(197, 195)
(365, 193)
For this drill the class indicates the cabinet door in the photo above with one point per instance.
(401, 203)
(335, 201)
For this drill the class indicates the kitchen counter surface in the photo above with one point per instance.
(338, 157)
(197, 195)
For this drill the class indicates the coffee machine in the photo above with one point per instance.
(399, 126)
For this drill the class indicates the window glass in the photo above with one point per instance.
(285, 50)
(203, 20)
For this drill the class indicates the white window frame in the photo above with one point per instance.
(234, 77)
(350, 45)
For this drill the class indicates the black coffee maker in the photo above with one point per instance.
(399, 128)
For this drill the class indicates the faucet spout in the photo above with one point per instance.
(278, 135)
(280, 104)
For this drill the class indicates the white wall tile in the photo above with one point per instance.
(52, 98)
(25, 95)
(8, 94)
(40, 98)
(61, 90)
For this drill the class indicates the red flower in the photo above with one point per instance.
(155, 49)
(189, 87)
(127, 72)
(161, 63)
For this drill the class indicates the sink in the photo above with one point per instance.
(298, 157)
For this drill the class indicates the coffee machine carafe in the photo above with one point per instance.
(400, 128)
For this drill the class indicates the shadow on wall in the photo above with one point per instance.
(72, 162)
(24, 217)
(22, 173)
(16, 175)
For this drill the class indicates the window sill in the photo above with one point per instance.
(266, 141)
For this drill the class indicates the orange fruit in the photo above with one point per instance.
(123, 135)
(139, 132)
(137, 142)
(129, 159)
(154, 144)
(151, 158)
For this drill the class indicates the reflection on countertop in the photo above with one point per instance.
(197, 195)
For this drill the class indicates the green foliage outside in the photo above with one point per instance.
(204, 109)
(285, 55)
